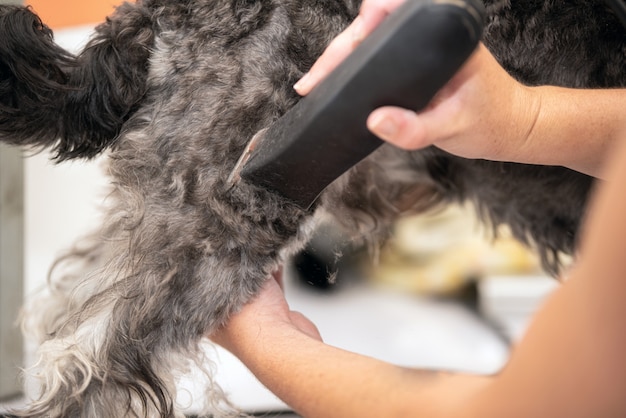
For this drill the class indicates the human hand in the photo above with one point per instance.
(481, 113)
(268, 314)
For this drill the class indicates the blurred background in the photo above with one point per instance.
(443, 293)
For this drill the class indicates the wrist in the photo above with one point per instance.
(251, 333)
(575, 128)
(512, 127)
(527, 112)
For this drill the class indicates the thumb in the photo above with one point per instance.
(305, 325)
(400, 127)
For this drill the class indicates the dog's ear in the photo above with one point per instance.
(75, 105)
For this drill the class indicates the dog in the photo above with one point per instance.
(171, 91)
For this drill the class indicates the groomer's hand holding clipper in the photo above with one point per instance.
(481, 113)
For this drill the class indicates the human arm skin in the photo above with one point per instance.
(484, 113)
(569, 364)
(283, 349)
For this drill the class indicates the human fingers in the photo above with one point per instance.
(266, 309)
(448, 114)
(278, 276)
(305, 325)
(372, 13)
(482, 112)
(443, 119)
(268, 312)
(335, 53)
(400, 127)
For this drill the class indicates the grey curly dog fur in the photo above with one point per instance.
(172, 90)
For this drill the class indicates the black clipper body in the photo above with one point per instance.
(404, 62)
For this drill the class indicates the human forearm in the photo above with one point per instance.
(319, 380)
(284, 350)
(569, 364)
(573, 128)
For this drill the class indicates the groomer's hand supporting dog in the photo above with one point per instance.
(570, 362)
(484, 113)
(269, 311)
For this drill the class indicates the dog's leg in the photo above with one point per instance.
(116, 353)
